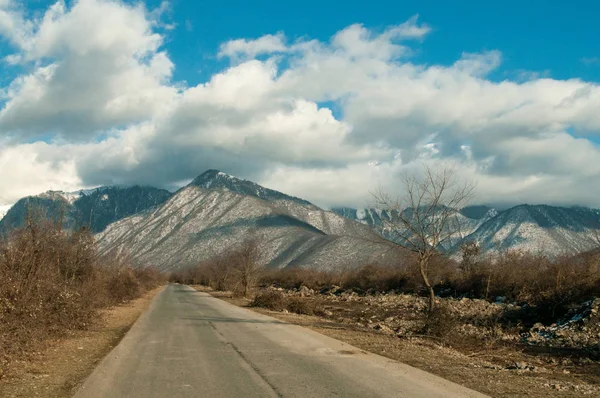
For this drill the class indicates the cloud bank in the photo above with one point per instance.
(94, 102)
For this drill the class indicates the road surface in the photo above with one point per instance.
(189, 344)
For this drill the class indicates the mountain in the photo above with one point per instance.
(548, 229)
(217, 212)
(469, 218)
(96, 208)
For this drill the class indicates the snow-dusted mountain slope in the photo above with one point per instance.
(208, 219)
(96, 208)
(547, 229)
(469, 219)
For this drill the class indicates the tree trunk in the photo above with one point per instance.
(487, 287)
(423, 268)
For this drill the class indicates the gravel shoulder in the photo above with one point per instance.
(487, 370)
(60, 366)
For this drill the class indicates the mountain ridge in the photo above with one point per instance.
(95, 208)
(213, 178)
(551, 229)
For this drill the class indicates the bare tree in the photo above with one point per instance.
(246, 268)
(470, 253)
(425, 219)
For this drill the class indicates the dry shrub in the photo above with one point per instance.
(300, 306)
(294, 278)
(549, 286)
(238, 271)
(440, 322)
(53, 281)
(380, 279)
(123, 285)
(271, 299)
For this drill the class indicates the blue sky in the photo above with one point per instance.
(535, 36)
(320, 99)
(552, 38)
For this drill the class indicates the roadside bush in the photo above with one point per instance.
(300, 306)
(294, 278)
(52, 281)
(379, 279)
(272, 300)
(123, 285)
(439, 323)
(550, 286)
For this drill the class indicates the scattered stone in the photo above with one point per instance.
(520, 366)
(383, 328)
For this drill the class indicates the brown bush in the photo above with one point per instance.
(380, 279)
(300, 306)
(294, 278)
(272, 300)
(439, 323)
(53, 281)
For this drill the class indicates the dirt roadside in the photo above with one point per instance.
(485, 371)
(58, 369)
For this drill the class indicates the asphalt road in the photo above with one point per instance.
(189, 344)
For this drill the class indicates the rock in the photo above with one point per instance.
(383, 328)
(305, 291)
(538, 326)
(520, 366)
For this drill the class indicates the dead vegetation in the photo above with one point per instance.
(424, 218)
(54, 282)
(237, 271)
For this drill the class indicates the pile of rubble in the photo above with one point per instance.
(580, 328)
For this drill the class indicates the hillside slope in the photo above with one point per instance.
(198, 223)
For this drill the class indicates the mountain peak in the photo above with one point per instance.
(215, 179)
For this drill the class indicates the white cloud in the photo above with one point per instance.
(100, 85)
(13, 24)
(30, 169)
(243, 48)
(97, 65)
(410, 29)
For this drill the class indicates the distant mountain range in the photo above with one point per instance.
(95, 208)
(535, 228)
(217, 212)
